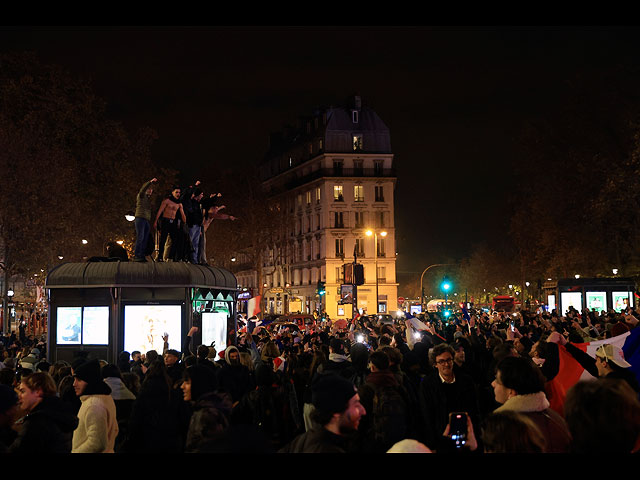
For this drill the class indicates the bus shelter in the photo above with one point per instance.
(105, 308)
(596, 294)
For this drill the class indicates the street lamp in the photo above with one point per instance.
(383, 233)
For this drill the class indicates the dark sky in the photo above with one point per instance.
(454, 98)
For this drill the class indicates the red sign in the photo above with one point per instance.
(400, 299)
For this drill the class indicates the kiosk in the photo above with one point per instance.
(105, 308)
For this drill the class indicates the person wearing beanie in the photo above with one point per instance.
(337, 412)
(97, 420)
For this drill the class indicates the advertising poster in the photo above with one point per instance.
(346, 294)
(69, 325)
(551, 302)
(571, 299)
(214, 329)
(620, 300)
(597, 301)
(95, 326)
(144, 326)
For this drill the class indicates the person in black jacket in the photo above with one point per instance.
(338, 412)
(48, 424)
(443, 392)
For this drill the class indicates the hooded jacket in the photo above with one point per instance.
(47, 429)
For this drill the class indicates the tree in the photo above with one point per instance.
(74, 173)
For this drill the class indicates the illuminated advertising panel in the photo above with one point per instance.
(95, 326)
(69, 325)
(621, 300)
(597, 301)
(551, 302)
(214, 329)
(145, 325)
(570, 299)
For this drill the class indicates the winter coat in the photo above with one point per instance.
(97, 425)
(551, 424)
(157, 421)
(48, 428)
(438, 399)
(387, 405)
(318, 440)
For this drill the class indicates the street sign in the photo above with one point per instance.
(400, 299)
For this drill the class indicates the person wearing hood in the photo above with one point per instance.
(234, 378)
(97, 419)
(49, 423)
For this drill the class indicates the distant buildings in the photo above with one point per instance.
(333, 175)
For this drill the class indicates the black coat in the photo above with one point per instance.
(437, 400)
(47, 429)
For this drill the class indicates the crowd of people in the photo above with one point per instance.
(473, 383)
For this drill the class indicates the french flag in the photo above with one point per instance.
(571, 372)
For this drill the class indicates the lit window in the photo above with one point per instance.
(357, 142)
(309, 197)
(337, 193)
(358, 193)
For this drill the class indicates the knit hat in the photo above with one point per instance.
(229, 349)
(8, 398)
(331, 393)
(611, 353)
(89, 371)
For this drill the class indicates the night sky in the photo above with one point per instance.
(454, 99)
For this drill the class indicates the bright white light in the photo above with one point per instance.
(84, 242)
(577, 276)
(120, 242)
(615, 271)
(360, 338)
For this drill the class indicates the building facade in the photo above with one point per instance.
(332, 177)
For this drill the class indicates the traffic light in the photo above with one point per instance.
(446, 284)
(321, 290)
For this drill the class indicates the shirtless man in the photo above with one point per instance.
(167, 214)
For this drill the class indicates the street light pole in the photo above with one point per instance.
(422, 276)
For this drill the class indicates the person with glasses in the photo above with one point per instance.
(442, 392)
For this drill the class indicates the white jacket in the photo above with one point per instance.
(97, 427)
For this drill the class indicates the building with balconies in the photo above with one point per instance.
(332, 174)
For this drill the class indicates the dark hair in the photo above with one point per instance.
(151, 356)
(394, 354)
(512, 432)
(380, 360)
(439, 350)
(603, 416)
(521, 375)
(203, 380)
(111, 370)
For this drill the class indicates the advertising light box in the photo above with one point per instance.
(144, 326)
(597, 301)
(69, 325)
(621, 300)
(95, 326)
(570, 299)
(214, 329)
(551, 302)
